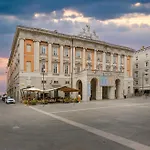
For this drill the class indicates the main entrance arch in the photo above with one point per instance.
(93, 89)
(118, 88)
(79, 87)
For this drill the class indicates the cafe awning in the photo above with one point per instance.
(67, 89)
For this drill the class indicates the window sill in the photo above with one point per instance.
(67, 74)
(56, 74)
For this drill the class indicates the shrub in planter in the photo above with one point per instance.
(25, 102)
(44, 101)
(75, 100)
(33, 102)
(67, 100)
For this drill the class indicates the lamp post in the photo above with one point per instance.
(43, 71)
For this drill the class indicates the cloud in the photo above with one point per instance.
(141, 5)
(3, 65)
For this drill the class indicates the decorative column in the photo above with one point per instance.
(83, 59)
(36, 56)
(95, 58)
(61, 60)
(21, 51)
(112, 58)
(104, 61)
(74, 51)
(125, 66)
(50, 58)
(118, 63)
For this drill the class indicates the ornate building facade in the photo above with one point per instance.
(98, 69)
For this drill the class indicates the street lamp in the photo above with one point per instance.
(43, 71)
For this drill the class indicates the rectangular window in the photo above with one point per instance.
(66, 52)
(136, 65)
(78, 54)
(136, 57)
(137, 82)
(146, 64)
(89, 56)
(43, 49)
(55, 51)
(55, 68)
(122, 60)
(136, 74)
(107, 58)
(28, 66)
(66, 69)
(146, 55)
(28, 48)
(67, 82)
(146, 80)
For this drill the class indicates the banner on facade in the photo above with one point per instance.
(106, 81)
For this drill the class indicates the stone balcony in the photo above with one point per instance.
(99, 73)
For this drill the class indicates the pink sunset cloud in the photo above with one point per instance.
(3, 69)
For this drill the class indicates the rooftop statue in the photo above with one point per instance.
(87, 33)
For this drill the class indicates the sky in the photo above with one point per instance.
(123, 22)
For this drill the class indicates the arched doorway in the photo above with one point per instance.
(117, 91)
(93, 89)
(79, 87)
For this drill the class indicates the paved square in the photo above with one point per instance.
(106, 125)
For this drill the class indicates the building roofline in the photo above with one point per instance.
(46, 31)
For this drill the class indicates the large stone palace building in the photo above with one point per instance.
(99, 70)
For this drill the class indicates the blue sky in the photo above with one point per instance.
(123, 22)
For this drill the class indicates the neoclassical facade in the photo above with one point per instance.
(98, 69)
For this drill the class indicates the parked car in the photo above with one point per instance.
(10, 100)
(4, 98)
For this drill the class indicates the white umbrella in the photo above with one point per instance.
(33, 89)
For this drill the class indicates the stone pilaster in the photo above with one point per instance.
(104, 61)
(83, 59)
(118, 63)
(95, 58)
(21, 51)
(50, 58)
(111, 93)
(36, 56)
(61, 60)
(98, 92)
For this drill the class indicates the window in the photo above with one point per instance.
(136, 65)
(146, 80)
(67, 82)
(115, 59)
(136, 82)
(66, 52)
(55, 51)
(78, 54)
(122, 60)
(28, 48)
(89, 56)
(55, 82)
(43, 49)
(136, 57)
(136, 74)
(107, 58)
(146, 70)
(66, 69)
(146, 63)
(28, 66)
(55, 68)
(146, 55)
